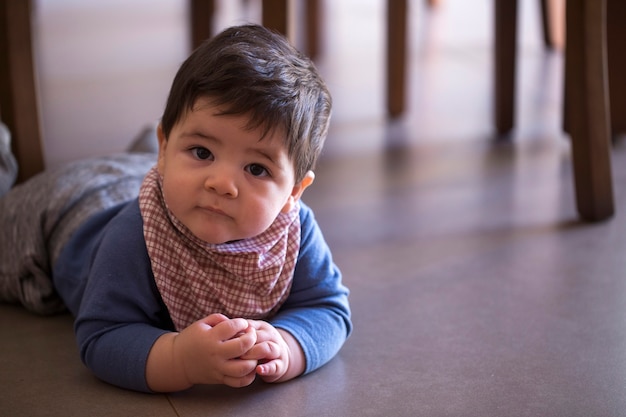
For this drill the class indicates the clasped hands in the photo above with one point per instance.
(220, 350)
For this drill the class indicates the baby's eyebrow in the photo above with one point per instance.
(272, 155)
(195, 132)
(267, 155)
(198, 134)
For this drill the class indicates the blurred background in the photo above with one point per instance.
(105, 68)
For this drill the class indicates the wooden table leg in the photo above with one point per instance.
(552, 22)
(18, 94)
(396, 56)
(615, 35)
(313, 22)
(201, 17)
(505, 57)
(275, 15)
(588, 107)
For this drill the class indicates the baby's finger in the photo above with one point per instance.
(264, 330)
(263, 351)
(239, 381)
(237, 346)
(271, 371)
(238, 368)
(214, 319)
(230, 328)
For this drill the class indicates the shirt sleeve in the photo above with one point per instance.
(317, 312)
(120, 313)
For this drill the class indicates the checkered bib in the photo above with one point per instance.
(249, 278)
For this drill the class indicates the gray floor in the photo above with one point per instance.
(475, 289)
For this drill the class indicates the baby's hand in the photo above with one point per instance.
(211, 351)
(270, 350)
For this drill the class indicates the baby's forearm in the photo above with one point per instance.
(164, 372)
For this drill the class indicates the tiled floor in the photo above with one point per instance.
(475, 290)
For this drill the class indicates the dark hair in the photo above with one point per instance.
(250, 70)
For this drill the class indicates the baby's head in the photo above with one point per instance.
(249, 70)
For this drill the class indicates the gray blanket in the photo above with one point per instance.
(38, 217)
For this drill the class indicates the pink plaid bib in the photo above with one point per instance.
(249, 278)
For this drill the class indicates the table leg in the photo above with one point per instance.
(588, 107)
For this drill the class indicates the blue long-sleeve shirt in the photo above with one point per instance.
(104, 276)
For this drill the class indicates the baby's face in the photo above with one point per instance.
(222, 181)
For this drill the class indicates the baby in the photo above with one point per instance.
(209, 269)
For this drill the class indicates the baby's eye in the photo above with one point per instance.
(257, 170)
(201, 153)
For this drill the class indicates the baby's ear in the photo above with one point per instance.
(297, 191)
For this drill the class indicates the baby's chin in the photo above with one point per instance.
(223, 236)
